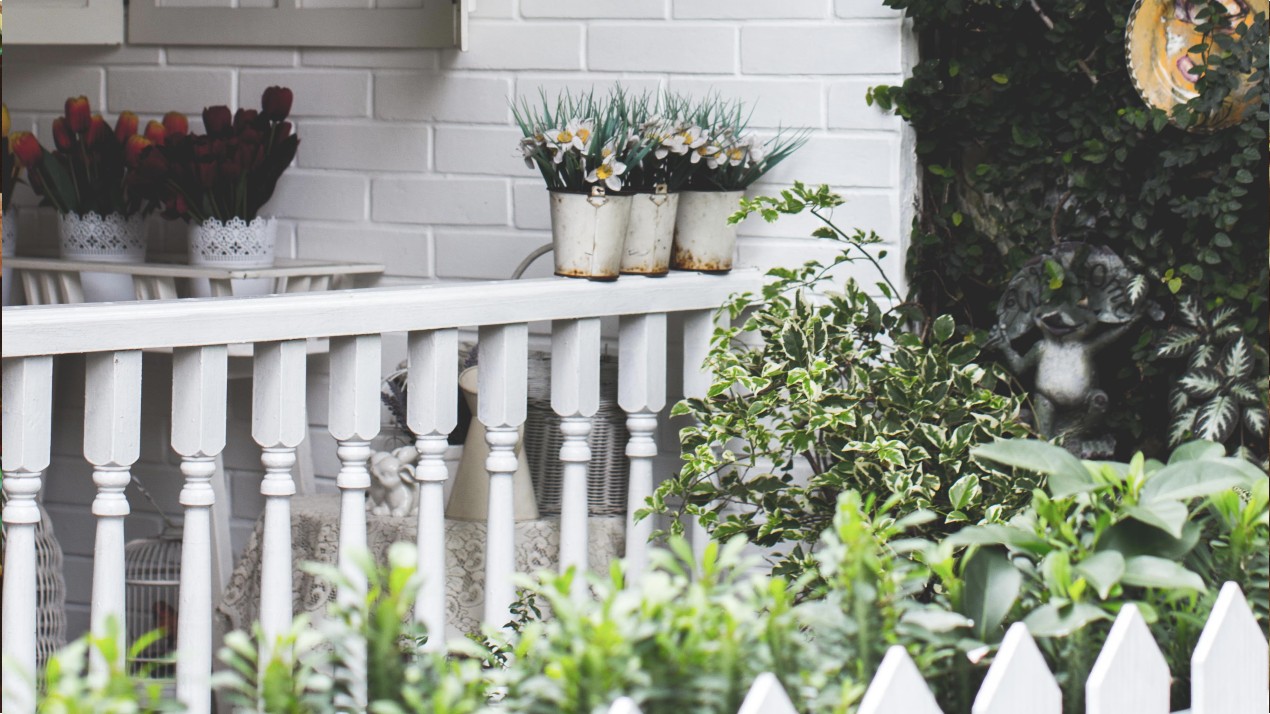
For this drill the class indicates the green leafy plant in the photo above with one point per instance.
(819, 389)
(1222, 394)
(1018, 153)
(72, 686)
(1101, 535)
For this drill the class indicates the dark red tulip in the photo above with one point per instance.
(62, 137)
(126, 126)
(275, 103)
(217, 120)
(244, 118)
(78, 114)
(133, 150)
(98, 131)
(282, 132)
(156, 133)
(176, 123)
(207, 174)
(27, 148)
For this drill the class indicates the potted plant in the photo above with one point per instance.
(97, 180)
(581, 149)
(219, 181)
(723, 161)
(654, 178)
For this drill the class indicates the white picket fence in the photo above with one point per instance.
(112, 337)
(1229, 674)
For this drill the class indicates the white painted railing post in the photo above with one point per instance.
(278, 426)
(575, 396)
(28, 420)
(432, 413)
(502, 386)
(1130, 673)
(198, 436)
(641, 394)
(698, 330)
(1229, 667)
(353, 420)
(112, 443)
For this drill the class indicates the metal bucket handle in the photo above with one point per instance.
(659, 196)
(597, 197)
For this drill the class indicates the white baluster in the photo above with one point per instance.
(28, 419)
(898, 687)
(278, 426)
(353, 420)
(575, 396)
(502, 386)
(1130, 673)
(432, 413)
(1018, 680)
(112, 443)
(641, 393)
(198, 435)
(1229, 666)
(698, 329)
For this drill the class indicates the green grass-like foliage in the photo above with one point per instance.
(1029, 130)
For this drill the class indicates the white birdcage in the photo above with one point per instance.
(152, 578)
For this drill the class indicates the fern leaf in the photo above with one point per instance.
(1222, 316)
(1255, 421)
(1238, 360)
(1200, 384)
(1245, 392)
(1137, 288)
(1216, 419)
(1180, 427)
(1192, 314)
(1178, 401)
(1177, 342)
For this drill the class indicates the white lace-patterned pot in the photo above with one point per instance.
(704, 240)
(234, 243)
(112, 238)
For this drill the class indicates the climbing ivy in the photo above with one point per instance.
(1029, 131)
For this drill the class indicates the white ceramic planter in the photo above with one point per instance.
(650, 233)
(469, 500)
(588, 232)
(704, 240)
(234, 243)
(105, 239)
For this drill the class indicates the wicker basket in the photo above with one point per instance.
(608, 472)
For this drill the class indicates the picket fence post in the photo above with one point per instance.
(1229, 673)
(898, 688)
(1018, 680)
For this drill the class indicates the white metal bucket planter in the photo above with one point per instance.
(234, 243)
(112, 238)
(588, 233)
(650, 233)
(704, 240)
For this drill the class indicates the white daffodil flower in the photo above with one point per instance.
(736, 154)
(609, 172)
(579, 131)
(756, 152)
(529, 147)
(709, 152)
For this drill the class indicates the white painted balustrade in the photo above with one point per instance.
(113, 335)
(1228, 674)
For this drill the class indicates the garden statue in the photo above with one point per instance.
(393, 489)
(1080, 298)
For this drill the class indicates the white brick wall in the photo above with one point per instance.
(408, 157)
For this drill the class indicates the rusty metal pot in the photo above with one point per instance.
(588, 233)
(704, 240)
(650, 233)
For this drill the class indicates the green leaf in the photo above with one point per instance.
(1169, 516)
(992, 585)
(1192, 479)
(943, 328)
(1198, 450)
(1052, 621)
(1149, 571)
(1102, 570)
(998, 534)
(1217, 418)
(1000, 78)
(1067, 475)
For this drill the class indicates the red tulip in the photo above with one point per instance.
(244, 118)
(217, 119)
(126, 126)
(78, 114)
(276, 103)
(62, 137)
(136, 145)
(282, 132)
(156, 133)
(207, 174)
(176, 123)
(27, 148)
(98, 130)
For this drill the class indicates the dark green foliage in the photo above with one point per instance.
(1028, 134)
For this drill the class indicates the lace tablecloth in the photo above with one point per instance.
(315, 537)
